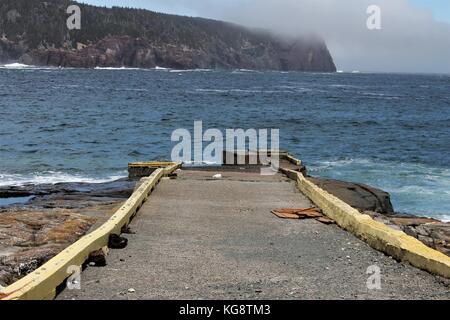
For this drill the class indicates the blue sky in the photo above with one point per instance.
(146, 4)
(440, 8)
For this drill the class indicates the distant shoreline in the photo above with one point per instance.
(19, 66)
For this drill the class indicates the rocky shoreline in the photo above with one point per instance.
(126, 37)
(54, 217)
(132, 52)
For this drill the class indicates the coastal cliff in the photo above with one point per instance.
(35, 33)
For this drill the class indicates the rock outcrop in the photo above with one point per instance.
(56, 216)
(28, 239)
(127, 51)
(358, 195)
(121, 37)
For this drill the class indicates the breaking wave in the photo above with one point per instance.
(53, 177)
(190, 70)
(21, 66)
(415, 188)
(116, 68)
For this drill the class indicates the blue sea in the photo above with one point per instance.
(391, 131)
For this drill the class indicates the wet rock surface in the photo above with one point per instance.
(56, 216)
(358, 195)
(121, 188)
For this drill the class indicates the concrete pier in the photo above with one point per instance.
(198, 237)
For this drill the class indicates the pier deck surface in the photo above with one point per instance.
(200, 238)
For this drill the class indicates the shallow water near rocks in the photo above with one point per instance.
(13, 201)
(387, 130)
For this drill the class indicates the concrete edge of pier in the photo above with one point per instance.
(44, 281)
(393, 242)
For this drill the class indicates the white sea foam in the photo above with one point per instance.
(201, 164)
(341, 163)
(52, 177)
(190, 70)
(21, 66)
(116, 68)
(244, 71)
(415, 188)
(378, 95)
(16, 66)
(161, 68)
(261, 91)
(345, 86)
(427, 172)
(212, 90)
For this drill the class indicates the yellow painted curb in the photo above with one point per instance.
(379, 236)
(151, 164)
(42, 283)
(293, 160)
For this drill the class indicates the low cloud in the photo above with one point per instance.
(410, 39)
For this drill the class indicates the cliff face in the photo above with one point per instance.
(36, 33)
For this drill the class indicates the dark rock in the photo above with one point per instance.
(6, 276)
(359, 196)
(117, 242)
(71, 195)
(10, 51)
(121, 37)
(173, 176)
(127, 230)
(98, 258)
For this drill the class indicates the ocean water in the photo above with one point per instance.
(387, 130)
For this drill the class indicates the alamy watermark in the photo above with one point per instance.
(374, 20)
(237, 147)
(74, 20)
(374, 280)
(74, 280)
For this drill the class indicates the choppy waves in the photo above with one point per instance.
(415, 188)
(52, 177)
(388, 131)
